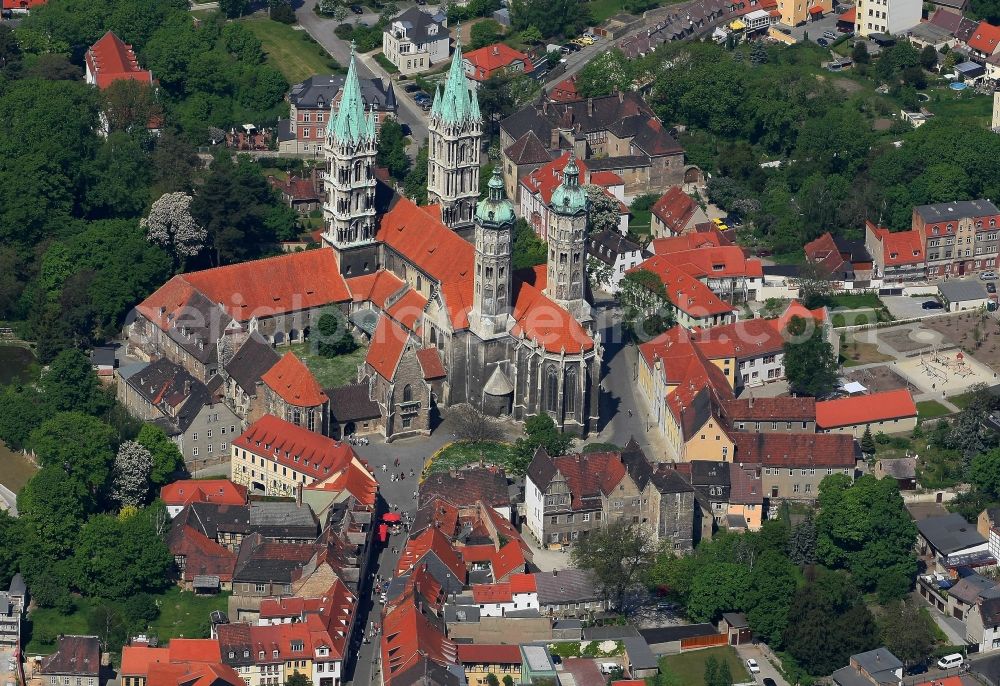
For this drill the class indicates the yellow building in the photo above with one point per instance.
(795, 12)
(479, 660)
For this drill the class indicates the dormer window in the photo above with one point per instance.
(246, 653)
(297, 646)
(274, 653)
(260, 655)
(232, 654)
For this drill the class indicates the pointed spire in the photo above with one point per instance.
(436, 106)
(458, 104)
(350, 124)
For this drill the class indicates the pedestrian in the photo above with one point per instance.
(384, 468)
(397, 461)
(630, 413)
(411, 471)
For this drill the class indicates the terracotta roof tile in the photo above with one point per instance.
(865, 409)
(291, 379)
(771, 409)
(218, 491)
(688, 241)
(431, 364)
(111, 59)
(684, 291)
(985, 38)
(487, 60)
(408, 310)
(541, 319)
(376, 287)
(675, 209)
(136, 659)
(795, 449)
(900, 247)
(488, 654)
(386, 348)
(296, 447)
(545, 179)
(564, 91)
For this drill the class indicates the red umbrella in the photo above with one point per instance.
(383, 533)
(392, 517)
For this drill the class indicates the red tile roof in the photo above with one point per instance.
(202, 555)
(899, 247)
(407, 637)
(356, 479)
(716, 262)
(386, 348)
(408, 310)
(507, 559)
(492, 58)
(545, 179)
(795, 449)
(744, 339)
(376, 288)
(771, 409)
(111, 59)
(22, 4)
(291, 379)
(865, 409)
(675, 209)
(218, 491)
(184, 674)
(295, 447)
(195, 650)
(985, 38)
(430, 363)
(605, 179)
(488, 654)
(849, 16)
(683, 290)
(540, 319)
(688, 241)
(590, 475)
(796, 309)
(564, 91)
(435, 541)
(137, 659)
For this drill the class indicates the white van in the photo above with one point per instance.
(609, 667)
(951, 661)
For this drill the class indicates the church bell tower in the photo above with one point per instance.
(494, 239)
(567, 239)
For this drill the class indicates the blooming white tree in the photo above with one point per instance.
(170, 224)
(133, 464)
(604, 209)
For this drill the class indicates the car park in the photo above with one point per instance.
(753, 666)
(830, 35)
(932, 305)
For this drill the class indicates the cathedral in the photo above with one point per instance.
(446, 320)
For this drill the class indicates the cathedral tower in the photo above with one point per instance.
(567, 238)
(351, 145)
(494, 239)
(456, 130)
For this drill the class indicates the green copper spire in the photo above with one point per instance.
(350, 123)
(458, 103)
(569, 197)
(495, 208)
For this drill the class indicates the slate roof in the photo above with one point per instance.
(321, 90)
(263, 561)
(607, 246)
(879, 663)
(352, 403)
(280, 519)
(418, 25)
(585, 115)
(467, 487)
(950, 211)
(528, 149)
(566, 586)
(949, 533)
(969, 588)
(251, 362)
(900, 468)
(74, 656)
(174, 391)
(961, 290)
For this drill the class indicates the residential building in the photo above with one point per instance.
(875, 667)
(480, 660)
(958, 237)
(982, 628)
(304, 195)
(110, 59)
(618, 133)
(711, 481)
(902, 469)
(497, 599)
(179, 494)
(883, 412)
(745, 511)
(614, 255)
(886, 17)
(897, 256)
(520, 159)
(569, 593)
(675, 213)
(274, 457)
(839, 259)
(492, 60)
(984, 41)
(692, 303)
(795, 12)
(772, 415)
(77, 660)
(313, 104)
(793, 464)
(265, 569)
(948, 541)
(193, 416)
(13, 604)
(415, 41)
(22, 7)
(203, 565)
(242, 365)
(963, 294)
(466, 488)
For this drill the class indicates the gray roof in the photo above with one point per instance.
(613, 163)
(17, 586)
(900, 468)
(461, 613)
(880, 664)
(931, 33)
(200, 324)
(668, 634)
(277, 519)
(610, 633)
(566, 586)
(737, 620)
(608, 245)
(949, 533)
(76, 655)
(639, 654)
(848, 676)
(172, 389)
(254, 358)
(538, 658)
(950, 211)
(961, 290)
(418, 24)
(971, 587)
(103, 355)
(319, 91)
(351, 403)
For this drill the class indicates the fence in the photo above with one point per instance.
(699, 642)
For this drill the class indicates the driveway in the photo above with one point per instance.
(816, 28)
(905, 307)
(766, 668)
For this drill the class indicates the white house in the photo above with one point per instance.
(416, 41)
(616, 255)
(496, 600)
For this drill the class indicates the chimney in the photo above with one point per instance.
(298, 495)
(590, 107)
(187, 387)
(751, 402)
(621, 97)
(554, 139)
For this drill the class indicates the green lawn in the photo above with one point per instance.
(461, 453)
(948, 104)
(330, 372)
(182, 615)
(929, 409)
(856, 301)
(641, 222)
(961, 401)
(855, 318)
(292, 52)
(386, 63)
(689, 668)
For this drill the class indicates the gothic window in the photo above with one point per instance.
(501, 294)
(407, 393)
(552, 390)
(312, 420)
(488, 294)
(419, 282)
(569, 393)
(296, 416)
(357, 170)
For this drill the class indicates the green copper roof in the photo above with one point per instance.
(457, 103)
(350, 123)
(495, 208)
(569, 196)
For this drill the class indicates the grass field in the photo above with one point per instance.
(856, 301)
(330, 372)
(641, 222)
(962, 400)
(855, 317)
(182, 615)
(854, 354)
(292, 52)
(689, 668)
(929, 409)
(947, 103)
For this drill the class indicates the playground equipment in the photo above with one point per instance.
(941, 365)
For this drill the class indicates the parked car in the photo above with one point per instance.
(411, 88)
(951, 661)
(753, 666)
(988, 276)
(932, 305)
(768, 681)
(357, 9)
(822, 41)
(591, 36)
(829, 34)
(421, 97)
(991, 287)
(572, 47)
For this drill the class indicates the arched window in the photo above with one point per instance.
(407, 393)
(569, 392)
(419, 282)
(552, 390)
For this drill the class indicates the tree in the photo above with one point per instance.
(860, 52)
(171, 225)
(868, 446)
(485, 33)
(928, 57)
(415, 185)
(108, 622)
(606, 73)
(166, 458)
(540, 431)
(725, 675)
(531, 34)
(987, 9)
(70, 384)
(242, 43)
(20, 414)
(392, 149)
(51, 511)
(470, 424)
(802, 542)
(906, 631)
(508, 680)
(711, 677)
(618, 554)
(984, 473)
(8, 553)
(334, 337)
(864, 528)
(528, 249)
(129, 105)
(234, 8)
(282, 12)
(492, 680)
(770, 587)
(118, 557)
(10, 51)
(810, 365)
(716, 589)
(603, 210)
(80, 445)
(296, 678)
(133, 465)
